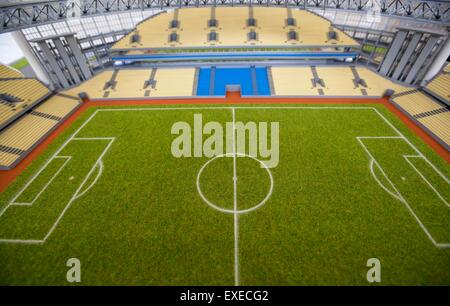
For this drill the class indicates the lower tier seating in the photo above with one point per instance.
(427, 111)
(17, 140)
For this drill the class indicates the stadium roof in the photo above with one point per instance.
(6, 3)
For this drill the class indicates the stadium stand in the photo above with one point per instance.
(314, 30)
(18, 94)
(330, 81)
(377, 84)
(270, 28)
(20, 137)
(193, 25)
(139, 83)
(415, 102)
(25, 91)
(287, 81)
(440, 85)
(94, 86)
(57, 107)
(426, 111)
(439, 125)
(174, 82)
(293, 81)
(232, 33)
(338, 81)
(7, 72)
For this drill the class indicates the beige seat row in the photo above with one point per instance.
(439, 124)
(129, 83)
(338, 81)
(17, 139)
(440, 85)
(417, 103)
(7, 72)
(25, 92)
(434, 116)
(232, 29)
(287, 81)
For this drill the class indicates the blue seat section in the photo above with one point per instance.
(233, 76)
(262, 79)
(204, 79)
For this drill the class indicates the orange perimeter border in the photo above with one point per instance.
(8, 176)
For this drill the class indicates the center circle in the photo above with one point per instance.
(227, 210)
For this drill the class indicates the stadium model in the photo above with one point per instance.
(161, 142)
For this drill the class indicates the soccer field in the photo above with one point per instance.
(352, 183)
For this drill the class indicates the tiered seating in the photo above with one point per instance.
(27, 90)
(9, 72)
(57, 106)
(287, 81)
(130, 83)
(272, 21)
(190, 28)
(17, 95)
(416, 103)
(293, 81)
(314, 30)
(150, 32)
(20, 137)
(377, 84)
(439, 124)
(193, 26)
(338, 81)
(440, 85)
(434, 116)
(7, 111)
(232, 33)
(94, 86)
(174, 82)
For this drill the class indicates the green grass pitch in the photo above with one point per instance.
(352, 183)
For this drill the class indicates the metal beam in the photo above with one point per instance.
(26, 15)
(393, 52)
(412, 75)
(406, 56)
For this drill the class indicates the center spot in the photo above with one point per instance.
(215, 183)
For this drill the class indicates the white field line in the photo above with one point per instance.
(20, 241)
(400, 197)
(100, 171)
(79, 188)
(12, 201)
(410, 144)
(253, 107)
(372, 170)
(67, 158)
(236, 215)
(76, 195)
(231, 210)
(407, 157)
